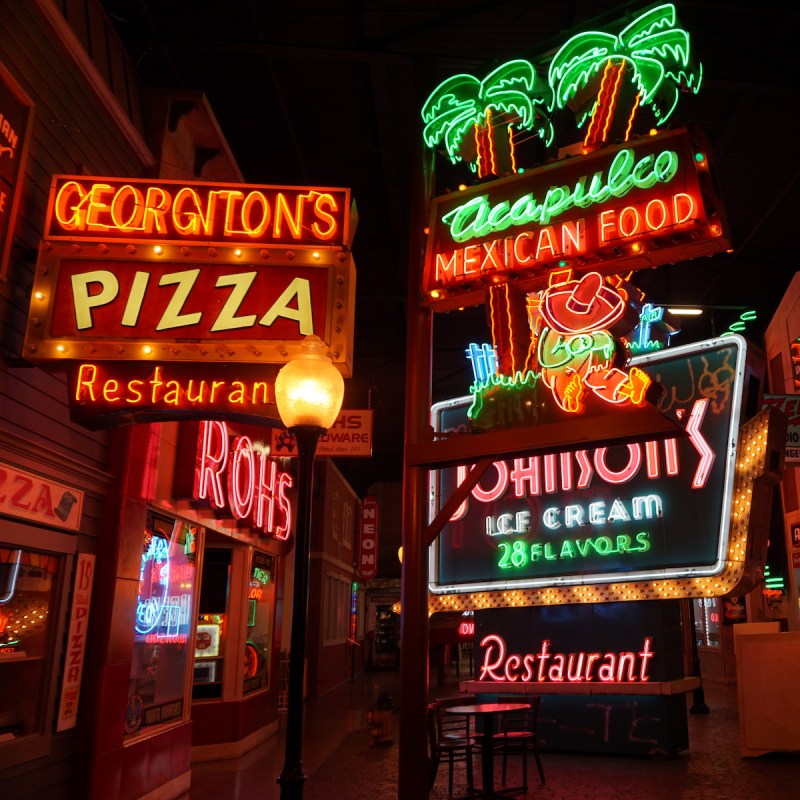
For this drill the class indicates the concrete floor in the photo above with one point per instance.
(341, 761)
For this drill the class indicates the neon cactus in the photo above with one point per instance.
(510, 98)
(606, 78)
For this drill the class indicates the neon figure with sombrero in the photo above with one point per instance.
(576, 350)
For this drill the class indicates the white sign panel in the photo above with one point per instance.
(76, 642)
(31, 497)
(788, 404)
(350, 435)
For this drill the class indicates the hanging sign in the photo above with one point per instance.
(788, 404)
(368, 538)
(16, 123)
(350, 435)
(635, 511)
(36, 499)
(167, 271)
(104, 394)
(76, 642)
(645, 202)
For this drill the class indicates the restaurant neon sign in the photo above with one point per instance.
(546, 666)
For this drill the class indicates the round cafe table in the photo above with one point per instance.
(487, 712)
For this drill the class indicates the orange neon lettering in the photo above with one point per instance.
(196, 397)
(518, 254)
(67, 205)
(471, 259)
(133, 388)
(87, 374)
(156, 205)
(156, 383)
(230, 198)
(237, 394)
(573, 236)
(134, 208)
(173, 393)
(662, 206)
(97, 206)
(322, 200)
(546, 236)
(260, 386)
(604, 224)
(688, 203)
(110, 389)
(215, 387)
(188, 220)
(629, 221)
(446, 265)
(251, 200)
(283, 212)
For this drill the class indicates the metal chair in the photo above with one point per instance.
(518, 735)
(449, 737)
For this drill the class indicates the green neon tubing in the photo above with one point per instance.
(462, 101)
(477, 217)
(657, 52)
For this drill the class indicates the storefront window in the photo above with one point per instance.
(27, 590)
(707, 621)
(163, 624)
(260, 610)
(212, 624)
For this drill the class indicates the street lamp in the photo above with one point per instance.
(308, 392)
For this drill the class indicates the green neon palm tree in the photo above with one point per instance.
(510, 98)
(645, 65)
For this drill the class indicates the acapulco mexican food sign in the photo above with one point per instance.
(646, 202)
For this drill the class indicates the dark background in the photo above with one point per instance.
(328, 92)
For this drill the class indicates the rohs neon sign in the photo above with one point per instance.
(237, 474)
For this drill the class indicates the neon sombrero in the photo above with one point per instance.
(589, 304)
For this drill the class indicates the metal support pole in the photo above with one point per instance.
(292, 778)
(698, 695)
(412, 779)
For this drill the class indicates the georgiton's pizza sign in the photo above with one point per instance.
(171, 271)
(630, 512)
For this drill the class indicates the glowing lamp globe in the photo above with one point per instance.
(308, 389)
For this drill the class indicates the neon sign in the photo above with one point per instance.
(511, 98)
(104, 394)
(162, 614)
(134, 270)
(636, 511)
(112, 208)
(236, 473)
(644, 66)
(625, 207)
(368, 538)
(576, 350)
(545, 666)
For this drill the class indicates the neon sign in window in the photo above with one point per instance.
(163, 624)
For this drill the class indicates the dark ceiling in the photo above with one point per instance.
(329, 92)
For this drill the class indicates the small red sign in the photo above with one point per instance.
(368, 538)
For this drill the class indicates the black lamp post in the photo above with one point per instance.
(308, 392)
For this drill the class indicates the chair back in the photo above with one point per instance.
(432, 718)
(523, 721)
(453, 726)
